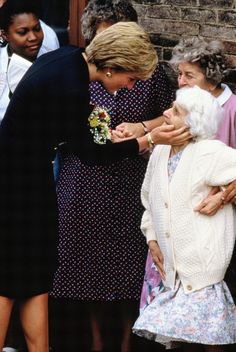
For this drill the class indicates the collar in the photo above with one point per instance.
(225, 95)
(3, 59)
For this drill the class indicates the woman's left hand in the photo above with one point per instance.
(129, 129)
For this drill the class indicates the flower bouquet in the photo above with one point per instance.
(99, 121)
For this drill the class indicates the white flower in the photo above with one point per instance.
(99, 121)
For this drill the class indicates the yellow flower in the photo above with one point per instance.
(94, 123)
(99, 120)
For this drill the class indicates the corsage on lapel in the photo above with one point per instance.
(99, 122)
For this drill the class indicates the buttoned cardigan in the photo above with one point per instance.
(196, 247)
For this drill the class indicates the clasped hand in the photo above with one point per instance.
(164, 134)
(216, 199)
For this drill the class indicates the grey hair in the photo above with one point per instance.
(208, 54)
(204, 111)
(109, 11)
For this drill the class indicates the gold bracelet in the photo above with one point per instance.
(144, 127)
(151, 144)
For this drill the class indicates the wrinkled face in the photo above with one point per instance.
(190, 74)
(25, 35)
(176, 116)
(118, 80)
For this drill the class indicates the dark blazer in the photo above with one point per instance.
(49, 106)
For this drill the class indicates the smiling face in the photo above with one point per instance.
(117, 80)
(25, 35)
(191, 74)
(176, 116)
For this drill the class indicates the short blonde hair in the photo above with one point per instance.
(204, 111)
(124, 47)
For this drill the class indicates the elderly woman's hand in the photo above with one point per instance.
(216, 199)
(131, 129)
(212, 203)
(157, 257)
(119, 136)
(229, 194)
(139, 129)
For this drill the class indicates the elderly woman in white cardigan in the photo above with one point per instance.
(191, 251)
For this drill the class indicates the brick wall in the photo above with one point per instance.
(168, 20)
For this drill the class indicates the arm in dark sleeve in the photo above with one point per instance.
(92, 153)
(80, 139)
(44, 115)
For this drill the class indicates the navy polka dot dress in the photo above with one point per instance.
(102, 251)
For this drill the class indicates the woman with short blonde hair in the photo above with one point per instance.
(51, 105)
(130, 50)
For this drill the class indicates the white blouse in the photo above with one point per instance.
(50, 42)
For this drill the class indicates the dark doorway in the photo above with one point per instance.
(55, 13)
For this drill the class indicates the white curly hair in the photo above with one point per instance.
(204, 111)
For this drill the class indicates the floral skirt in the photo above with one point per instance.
(152, 283)
(206, 316)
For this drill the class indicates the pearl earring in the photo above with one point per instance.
(108, 74)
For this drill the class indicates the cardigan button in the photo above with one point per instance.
(166, 205)
(167, 235)
(189, 288)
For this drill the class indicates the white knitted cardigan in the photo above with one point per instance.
(196, 246)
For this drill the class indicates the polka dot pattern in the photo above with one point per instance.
(102, 251)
